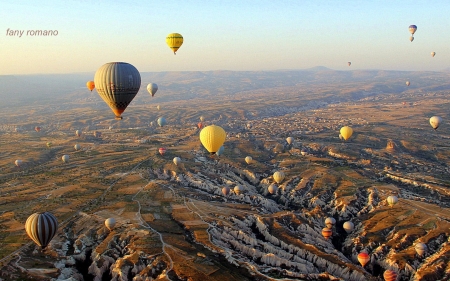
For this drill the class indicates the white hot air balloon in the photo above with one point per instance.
(65, 158)
(177, 160)
(421, 248)
(152, 88)
(435, 121)
(110, 223)
(273, 188)
(392, 200)
(77, 146)
(348, 226)
(238, 189)
(330, 222)
(18, 162)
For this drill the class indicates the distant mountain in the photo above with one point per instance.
(318, 68)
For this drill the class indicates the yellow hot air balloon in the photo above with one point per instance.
(346, 132)
(117, 84)
(212, 137)
(90, 85)
(174, 41)
(278, 176)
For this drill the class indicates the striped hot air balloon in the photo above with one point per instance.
(390, 275)
(41, 227)
(326, 232)
(174, 41)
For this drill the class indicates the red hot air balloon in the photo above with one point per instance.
(162, 150)
(363, 258)
(37, 129)
(200, 125)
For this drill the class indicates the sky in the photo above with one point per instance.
(250, 35)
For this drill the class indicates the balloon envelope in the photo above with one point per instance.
(212, 138)
(90, 85)
(346, 132)
(37, 129)
(290, 140)
(162, 121)
(421, 248)
(273, 188)
(65, 158)
(177, 160)
(226, 190)
(248, 159)
(407, 83)
(110, 223)
(238, 189)
(117, 84)
(77, 146)
(348, 226)
(162, 150)
(389, 275)
(152, 88)
(327, 233)
(363, 258)
(392, 200)
(220, 151)
(278, 176)
(435, 121)
(174, 41)
(412, 28)
(78, 133)
(349, 63)
(18, 162)
(330, 222)
(41, 227)
(433, 54)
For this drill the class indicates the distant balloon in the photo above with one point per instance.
(37, 129)
(363, 258)
(151, 124)
(65, 158)
(412, 29)
(435, 121)
(41, 227)
(110, 128)
(421, 248)
(238, 189)
(304, 152)
(212, 137)
(349, 63)
(90, 85)
(330, 222)
(226, 190)
(433, 54)
(220, 151)
(177, 160)
(162, 121)
(390, 275)
(117, 84)
(327, 233)
(341, 137)
(49, 144)
(202, 118)
(158, 107)
(290, 140)
(348, 226)
(346, 132)
(174, 41)
(77, 146)
(110, 223)
(97, 134)
(278, 177)
(249, 126)
(273, 188)
(162, 150)
(392, 200)
(200, 125)
(18, 162)
(152, 88)
(248, 159)
(78, 133)
(411, 38)
(408, 83)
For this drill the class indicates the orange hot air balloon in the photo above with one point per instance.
(200, 125)
(90, 85)
(390, 275)
(363, 258)
(37, 129)
(162, 150)
(326, 232)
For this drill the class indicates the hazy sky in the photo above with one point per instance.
(225, 35)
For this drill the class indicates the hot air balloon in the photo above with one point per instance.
(174, 41)
(249, 126)
(162, 150)
(177, 160)
(158, 107)
(278, 176)
(152, 88)
(37, 129)
(202, 118)
(390, 275)
(348, 226)
(435, 121)
(110, 223)
(421, 248)
(238, 189)
(117, 84)
(162, 121)
(363, 258)
(412, 29)
(220, 151)
(433, 54)
(41, 227)
(273, 188)
(78, 133)
(226, 190)
(290, 140)
(200, 125)
(49, 144)
(97, 134)
(77, 146)
(110, 128)
(330, 222)
(212, 137)
(18, 162)
(248, 159)
(327, 233)
(90, 85)
(411, 38)
(65, 158)
(392, 200)
(408, 83)
(349, 63)
(346, 132)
